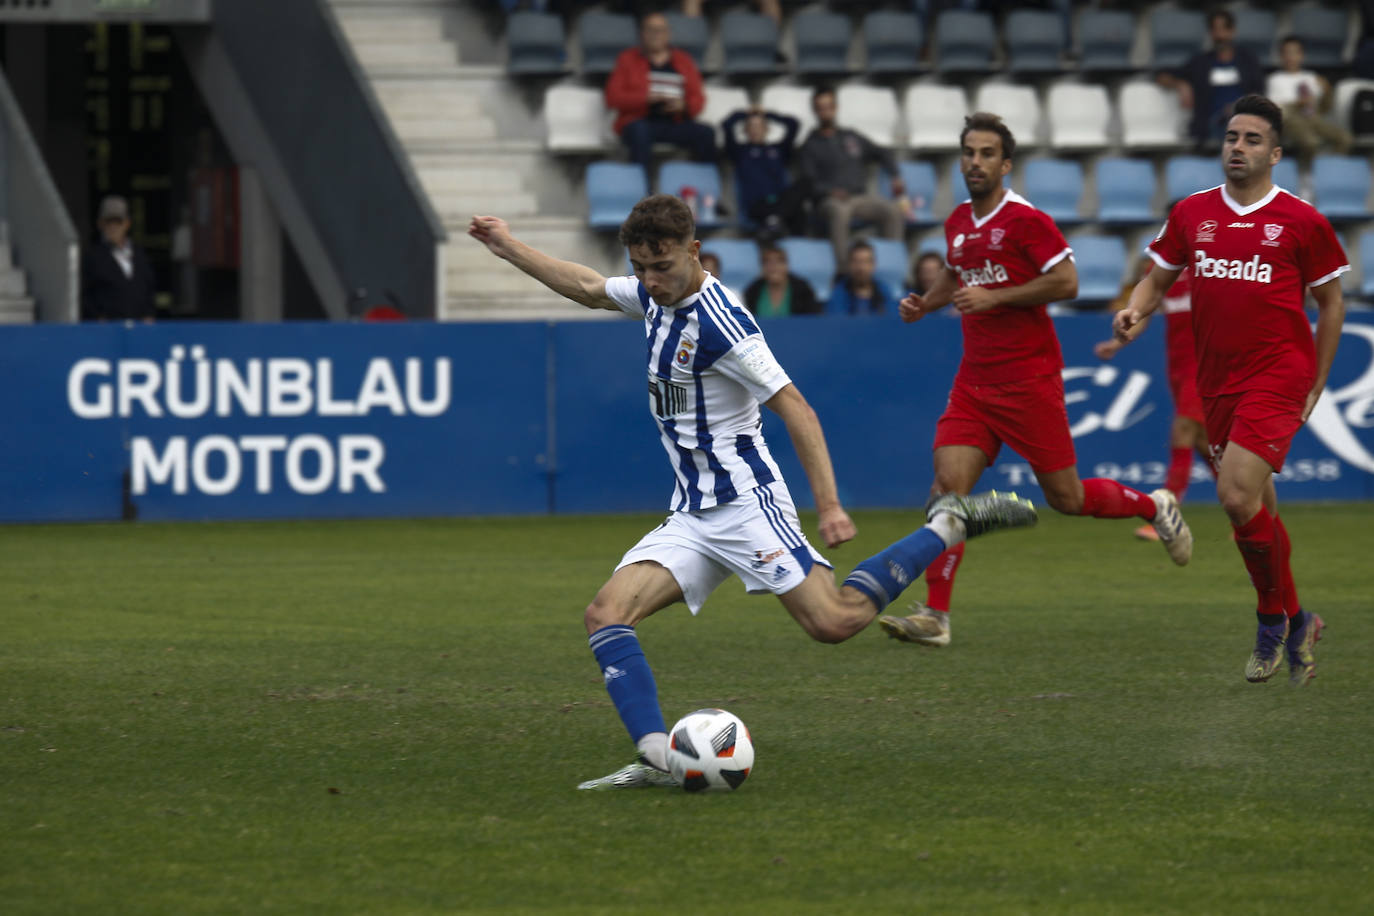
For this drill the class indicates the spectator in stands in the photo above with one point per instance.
(655, 90)
(925, 271)
(770, 8)
(1211, 81)
(764, 188)
(117, 280)
(777, 291)
(710, 263)
(859, 292)
(1304, 96)
(834, 164)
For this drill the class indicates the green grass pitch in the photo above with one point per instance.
(391, 717)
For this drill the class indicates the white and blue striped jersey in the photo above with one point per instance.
(709, 369)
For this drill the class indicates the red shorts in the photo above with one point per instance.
(1028, 415)
(1263, 422)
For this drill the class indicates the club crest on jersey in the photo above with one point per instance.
(996, 239)
(1206, 231)
(1272, 231)
(684, 352)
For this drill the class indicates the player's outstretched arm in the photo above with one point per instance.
(1057, 284)
(1330, 318)
(577, 282)
(1128, 323)
(807, 438)
(914, 307)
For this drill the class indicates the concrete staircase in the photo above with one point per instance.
(16, 306)
(475, 142)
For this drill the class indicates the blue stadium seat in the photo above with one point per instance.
(1105, 38)
(739, 261)
(964, 42)
(691, 34)
(813, 260)
(704, 177)
(1366, 254)
(1340, 187)
(1323, 32)
(919, 178)
(602, 37)
(1101, 263)
(613, 188)
(1176, 36)
(891, 258)
(1286, 175)
(1125, 191)
(1184, 175)
(1035, 41)
(1255, 31)
(535, 43)
(750, 42)
(1056, 187)
(893, 41)
(822, 42)
(934, 241)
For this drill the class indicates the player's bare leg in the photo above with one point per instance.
(1101, 497)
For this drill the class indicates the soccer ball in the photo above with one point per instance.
(710, 749)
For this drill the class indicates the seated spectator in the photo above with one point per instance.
(779, 292)
(1211, 81)
(655, 90)
(764, 187)
(710, 263)
(1303, 96)
(925, 271)
(859, 292)
(834, 164)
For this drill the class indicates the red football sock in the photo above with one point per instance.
(1180, 471)
(940, 577)
(1290, 590)
(1260, 549)
(1105, 498)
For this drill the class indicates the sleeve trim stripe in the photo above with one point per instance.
(1329, 277)
(1159, 259)
(1066, 253)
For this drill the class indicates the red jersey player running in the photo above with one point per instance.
(1255, 251)
(1005, 260)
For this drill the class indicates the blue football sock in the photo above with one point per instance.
(628, 679)
(884, 576)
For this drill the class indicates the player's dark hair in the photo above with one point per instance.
(1261, 107)
(658, 219)
(985, 120)
(1222, 13)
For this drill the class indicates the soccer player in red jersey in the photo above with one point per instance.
(1005, 260)
(1255, 252)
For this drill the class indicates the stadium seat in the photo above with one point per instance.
(1340, 187)
(1176, 35)
(1035, 41)
(1104, 39)
(1101, 264)
(1125, 191)
(739, 261)
(1078, 116)
(1366, 254)
(576, 120)
(891, 258)
(1323, 31)
(677, 174)
(791, 100)
(613, 188)
(1019, 107)
(721, 102)
(919, 178)
(750, 42)
(1255, 31)
(1343, 107)
(964, 42)
(822, 42)
(602, 36)
(893, 41)
(535, 44)
(1184, 175)
(813, 260)
(690, 33)
(1151, 117)
(871, 110)
(1056, 187)
(934, 116)
(1285, 175)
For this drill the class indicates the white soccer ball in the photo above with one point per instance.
(710, 749)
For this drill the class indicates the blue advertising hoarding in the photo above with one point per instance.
(208, 420)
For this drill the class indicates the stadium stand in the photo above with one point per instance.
(812, 260)
(921, 188)
(1255, 31)
(1344, 107)
(891, 259)
(1285, 175)
(965, 41)
(1055, 186)
(1104, 40)
(1188, 174)
(613, 188)
(692, 34)
(576, 119)
(1340, 187)
(1125, 191)
(1323, 31)
(750, 43)
(822, 40)
(1101, 263)
(721, 102)
(602, 36)
(791, 100)
(535, 43)
(1366, 259)
(934, 117)
(870, 110)
(1034, 41)
(1078, 116)
(1019, 107)
(739, 261)
(1175, 36)
(703, 178)
(893, 41)
(1151, 117)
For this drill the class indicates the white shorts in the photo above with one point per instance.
(756, 536)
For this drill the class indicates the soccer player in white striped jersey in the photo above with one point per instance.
(709, 368)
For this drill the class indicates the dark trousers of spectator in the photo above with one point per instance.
(699, 140)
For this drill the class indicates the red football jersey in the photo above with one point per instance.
(1180, 348)
(1012, 245)
(1252, 267)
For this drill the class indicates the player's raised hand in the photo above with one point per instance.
(836, 527)
(913, 308)
(491, 231)
(1106, 349)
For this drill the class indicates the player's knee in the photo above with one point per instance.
(1239, 504)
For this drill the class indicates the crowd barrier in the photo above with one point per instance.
(223, 421)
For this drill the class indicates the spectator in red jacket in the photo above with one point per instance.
(656, 92)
